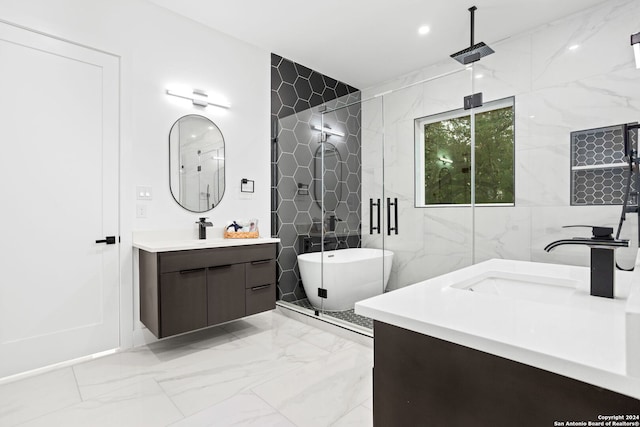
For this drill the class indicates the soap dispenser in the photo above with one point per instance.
(202, 230)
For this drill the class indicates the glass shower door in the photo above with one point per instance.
(349, 274)
(427, 170)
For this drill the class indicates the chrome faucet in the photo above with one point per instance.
(202, 229)
(603, 263)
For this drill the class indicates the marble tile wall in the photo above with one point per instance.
(298, 97)
(557, 90)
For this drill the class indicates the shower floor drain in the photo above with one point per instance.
(346, 316)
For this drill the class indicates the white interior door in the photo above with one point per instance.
(59, 289)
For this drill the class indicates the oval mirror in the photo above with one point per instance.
(196, 163)
(333, 176)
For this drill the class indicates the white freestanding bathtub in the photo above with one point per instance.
(349, 275)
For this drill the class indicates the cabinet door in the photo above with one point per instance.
(225, 289)
(183, 301)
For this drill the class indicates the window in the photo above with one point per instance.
(443, 156)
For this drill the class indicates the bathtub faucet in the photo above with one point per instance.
(603, 263)
(308, 244)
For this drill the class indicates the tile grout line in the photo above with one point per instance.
(272, 407)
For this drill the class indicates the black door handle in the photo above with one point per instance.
(109, 240)
(395, 211)
(371, 205)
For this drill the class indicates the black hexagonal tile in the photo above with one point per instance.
(330, 201)
(288, 281)
(287, 212)
(287, 164)
(302, 155)
(303, 203)
(304, 133)
(285, 111)
(303, 71)
(301, 105)
(328, 94)
(288, 71)
(315, 99)
(317, 83)
(303, 89)
(287, 234)
(286, 141)
(287, 188)
(287, 94)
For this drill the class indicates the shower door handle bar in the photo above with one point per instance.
(371, 227)
(395, 215)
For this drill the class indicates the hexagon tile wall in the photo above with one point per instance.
(591, 182)
(297, 96)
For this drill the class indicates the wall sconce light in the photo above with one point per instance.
(327, 130)
(198, 97)
(635, 42)
(445, 160)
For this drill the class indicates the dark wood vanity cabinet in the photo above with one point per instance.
(181, 291)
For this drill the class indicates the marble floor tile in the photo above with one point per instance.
(244, 409)
(140, 405)
(322, 392)
(119, 370)
(33, 397)
(264, 370)
(368, 403)
(195, 387)
(361, 416)
(326, 340)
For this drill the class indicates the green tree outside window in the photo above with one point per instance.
(447, 159)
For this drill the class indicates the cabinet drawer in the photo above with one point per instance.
(261, 272)
(260, 298)
(212, 257)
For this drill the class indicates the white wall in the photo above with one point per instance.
(157, 49)
(556, 91)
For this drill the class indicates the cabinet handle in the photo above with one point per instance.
(257, 288)
(264, 261)
(195, 270)
(220, 266)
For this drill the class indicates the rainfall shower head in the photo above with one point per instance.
(475, 51)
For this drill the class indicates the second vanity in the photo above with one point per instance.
(191, 284)
(506, 343)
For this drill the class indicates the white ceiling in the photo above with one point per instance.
(364, 42)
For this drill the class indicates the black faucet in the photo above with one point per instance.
(202, 230)
(333, 220)
(603, 261)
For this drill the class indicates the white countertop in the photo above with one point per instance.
(592, 339)
(181, 240)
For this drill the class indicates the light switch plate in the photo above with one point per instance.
(143, 193)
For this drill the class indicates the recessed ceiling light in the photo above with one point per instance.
(424, 30)
(479, 76)
(574, 46)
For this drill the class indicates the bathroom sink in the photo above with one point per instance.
(520, 286)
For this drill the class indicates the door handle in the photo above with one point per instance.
(371, 205)
(395, 212)
(109, 240)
